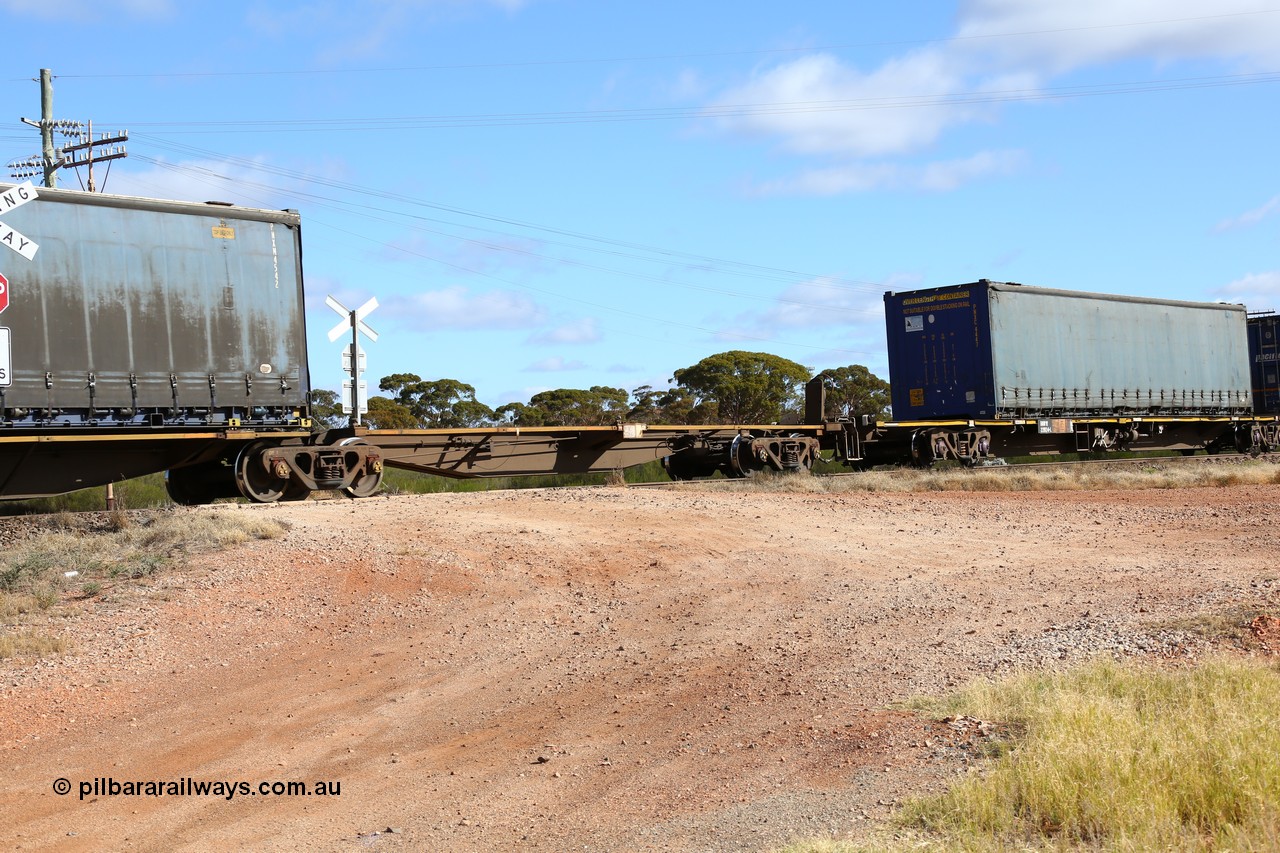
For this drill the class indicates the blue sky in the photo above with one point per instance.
(563, 193)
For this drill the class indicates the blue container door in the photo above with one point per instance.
(940, 353)
(1264, 359)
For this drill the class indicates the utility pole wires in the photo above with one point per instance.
(80, 149)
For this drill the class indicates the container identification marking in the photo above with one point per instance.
(275, 255)
(223, 232)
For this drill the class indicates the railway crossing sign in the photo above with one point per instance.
(352, 319)
(9, 236)
(355, 392)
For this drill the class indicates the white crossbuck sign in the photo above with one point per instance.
(355, 393)
(9, 236)
(360, 313)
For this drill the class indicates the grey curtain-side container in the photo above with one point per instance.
(995, 350)
(142, 312)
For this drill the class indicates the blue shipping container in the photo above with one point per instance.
(994, 350)
(1264, 359)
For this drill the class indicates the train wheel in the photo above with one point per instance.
(185, 490)
(741, 464)
(921, 451)
(681, 467)
(295, 491)
(675, 470)
(365, 485)
(254, 481)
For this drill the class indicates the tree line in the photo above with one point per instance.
(733, 387)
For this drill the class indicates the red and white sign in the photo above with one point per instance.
(4, 293)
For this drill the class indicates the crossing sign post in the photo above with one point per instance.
(354, 400)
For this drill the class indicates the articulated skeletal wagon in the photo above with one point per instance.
(140, 335)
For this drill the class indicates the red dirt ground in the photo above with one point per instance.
(597, 669)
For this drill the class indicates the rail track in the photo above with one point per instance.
(1175, 461)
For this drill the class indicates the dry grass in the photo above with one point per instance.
(30, 644)
(1232, 625)
(1148, 475)
(71, 557)
(1129, 757)
(1116, 758)
(201, 530)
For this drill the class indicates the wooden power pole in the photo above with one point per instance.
(81, 148)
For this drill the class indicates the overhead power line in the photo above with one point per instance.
(603, 245)
(206, 174)
(664, 57)
(713, 111)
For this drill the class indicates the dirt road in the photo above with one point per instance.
(602, 669)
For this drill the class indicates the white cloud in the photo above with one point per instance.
(803, 310)
(823, 302)
(518, 395)
(1250, 217)
(255, 183)
(318, 289)
(819, 105)
(1003, 51)
(1257, 291)
(1058, 37)
(583, 331)
(940, 176)
(477, 256)
(190, 181)
(457, 307)
(689, 85)
(554, 364)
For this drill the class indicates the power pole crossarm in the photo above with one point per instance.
(82, 150)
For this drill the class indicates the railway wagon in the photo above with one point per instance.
(990, 367)
(137, 312)
(139, 334)
(143, 335)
